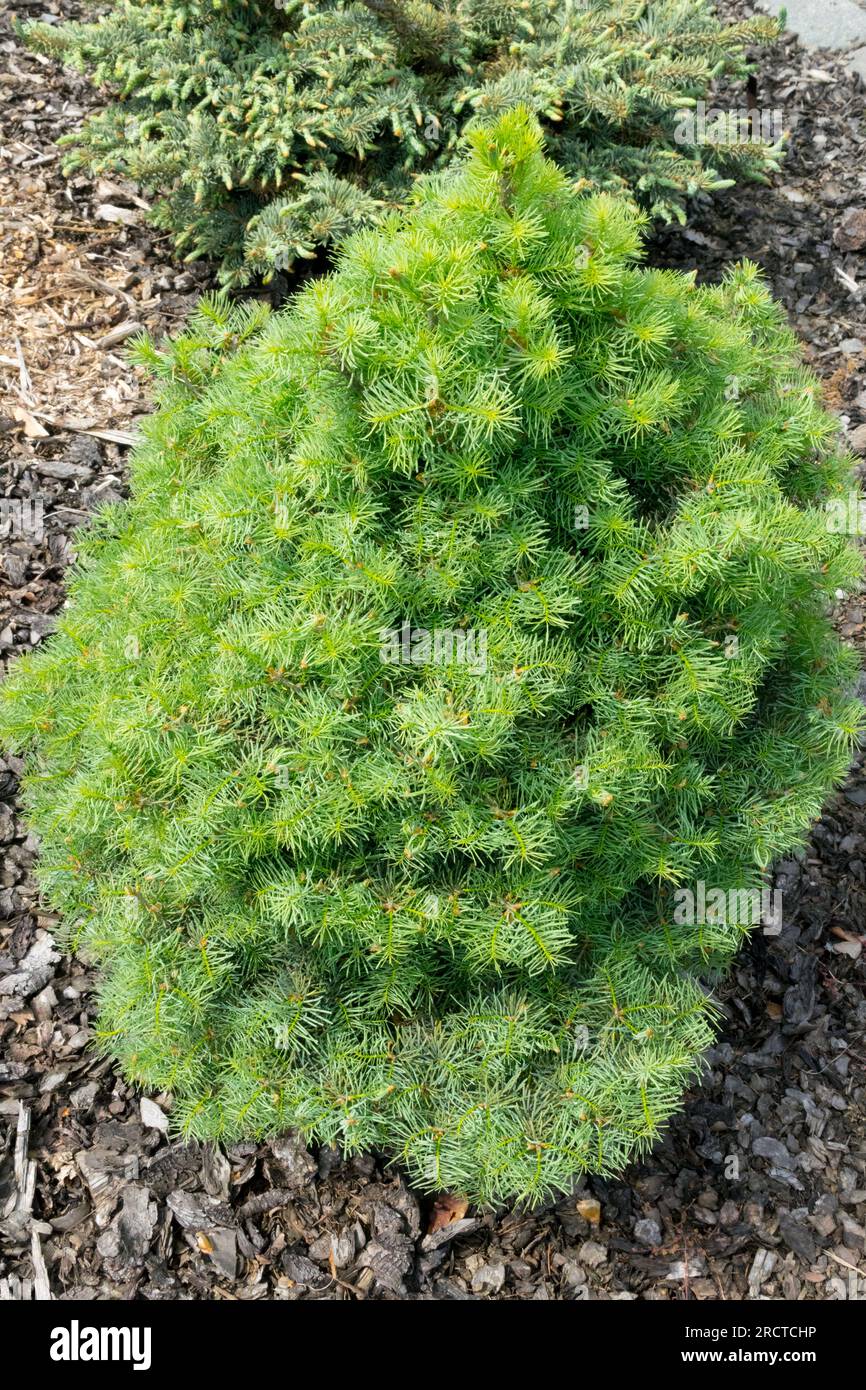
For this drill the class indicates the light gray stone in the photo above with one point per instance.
(856, 62)
(152, 1116)
(648, 1231)
(488, 1279)
(592, 1254)
(837, 24)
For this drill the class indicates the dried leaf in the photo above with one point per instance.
(446, 1209)
(846, 935)
(590, 1210)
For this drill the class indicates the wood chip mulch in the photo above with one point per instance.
(758, 1190)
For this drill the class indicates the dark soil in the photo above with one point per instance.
(759, 1188)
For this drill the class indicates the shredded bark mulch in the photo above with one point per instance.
(759, 1187)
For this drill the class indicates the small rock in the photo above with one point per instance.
(573, 1275)
(152, 1117)
(488, 1279)
(648, 1231)
(592, 1254)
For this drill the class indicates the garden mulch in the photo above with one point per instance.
(758, 1189)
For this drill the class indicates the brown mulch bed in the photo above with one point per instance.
(759, 1187)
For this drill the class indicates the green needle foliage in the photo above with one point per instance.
(268, 131)
(426, 905)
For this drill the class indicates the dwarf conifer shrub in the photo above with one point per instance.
(393, 708)
(269, 130)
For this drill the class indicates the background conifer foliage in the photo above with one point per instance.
(271, 130)
(372, 898)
